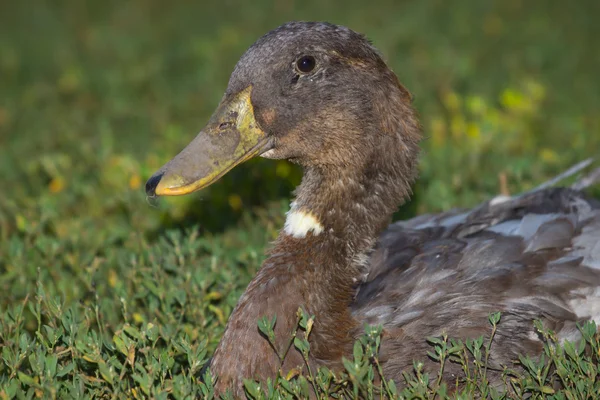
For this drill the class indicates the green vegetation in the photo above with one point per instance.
(104, 294)
(573, 368)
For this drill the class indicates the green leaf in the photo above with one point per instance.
(51, 362)
(120, 344)
(435, 340)
(358, 351)
(106, 372)
(302, 345)
(266, 325)
(570, 350)
(433, 356)
(66, 369)
(27, 380)
(133, 331)
(494, 318)
(252, 389)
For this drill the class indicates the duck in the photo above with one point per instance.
(321, 96)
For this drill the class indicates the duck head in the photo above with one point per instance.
(317, 94)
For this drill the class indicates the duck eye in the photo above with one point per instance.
(306, 64)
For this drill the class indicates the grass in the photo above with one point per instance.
(105, 295)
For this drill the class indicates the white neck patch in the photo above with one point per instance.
(298, 223)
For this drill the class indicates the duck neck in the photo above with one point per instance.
(316, 263)
(330, 230)
(342, 210)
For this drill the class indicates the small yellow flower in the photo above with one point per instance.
(135, 182)
(235, 202)
(438, 132)
(213, 296)
(451, 100)
(138, 318)
(512, 99)
(218, 313)
(473, 131)
(457, 126)
(549, 156)
(476, 105)
(57, 185)
(112, 278)
(21, 222)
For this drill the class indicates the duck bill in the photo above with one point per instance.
(231, 137)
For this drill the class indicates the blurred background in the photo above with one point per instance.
(95, 96)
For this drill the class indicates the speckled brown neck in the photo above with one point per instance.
(350, 206)
(317, 272)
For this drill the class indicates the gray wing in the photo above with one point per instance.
(536, 256)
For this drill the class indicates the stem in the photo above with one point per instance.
(487, 351)
(290, 343)
(441, 373)
(380, 372)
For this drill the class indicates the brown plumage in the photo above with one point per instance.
(349, 123)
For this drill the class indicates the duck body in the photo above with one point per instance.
(321, 96)
(532, 257)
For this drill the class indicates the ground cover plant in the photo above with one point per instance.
(105, 294)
